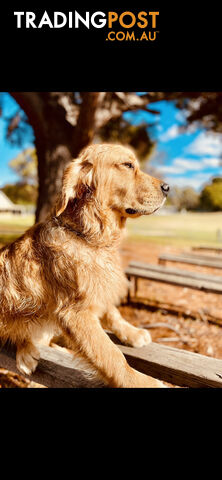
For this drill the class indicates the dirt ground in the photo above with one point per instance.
(176, 330)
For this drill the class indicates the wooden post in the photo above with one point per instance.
(161, 261)
(128, 293)
(135, 286)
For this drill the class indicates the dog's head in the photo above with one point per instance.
(110, 175)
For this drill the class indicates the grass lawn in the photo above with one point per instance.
(16, 221)
(12, 226)
(178, 229)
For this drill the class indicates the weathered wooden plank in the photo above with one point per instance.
(176, 271)
(166, 277)
(199, 256)
(56, 369)
(207, 247)
(190, 260)
(172, 365)
(176, 366)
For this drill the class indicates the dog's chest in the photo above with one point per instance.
(100, 277)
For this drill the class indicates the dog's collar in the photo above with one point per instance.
(68, 227)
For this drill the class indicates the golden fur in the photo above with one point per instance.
(64, 274)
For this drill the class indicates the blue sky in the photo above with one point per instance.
(183, 158)
(188, 158)
(7, 150)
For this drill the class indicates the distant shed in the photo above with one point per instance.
(7, 206)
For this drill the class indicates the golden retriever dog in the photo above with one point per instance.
(64, 274)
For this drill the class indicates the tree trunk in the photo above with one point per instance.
(57, 140)
(52, 159)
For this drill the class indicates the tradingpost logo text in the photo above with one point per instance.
(125, 26)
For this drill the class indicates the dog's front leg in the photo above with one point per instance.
(127, 333)
(86, 334)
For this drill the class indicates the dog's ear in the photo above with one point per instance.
(76, 183)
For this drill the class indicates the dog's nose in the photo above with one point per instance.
(165, 188)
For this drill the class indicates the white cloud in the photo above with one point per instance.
(188, 164)
(206, 144)
(169, 134)
(211, 162)
(177, 130)
(170, 169)
(181, 116)
(182, 165)
(159, 127)
(196, 181)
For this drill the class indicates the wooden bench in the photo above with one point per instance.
(173, 276)
(56, 368)
(206, 247)
(192, 259)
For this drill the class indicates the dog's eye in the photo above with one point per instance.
(129, 165)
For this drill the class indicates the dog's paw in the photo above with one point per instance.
(27, 359)
(136, 337)
(140, 338)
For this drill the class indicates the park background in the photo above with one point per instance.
(176, 137)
